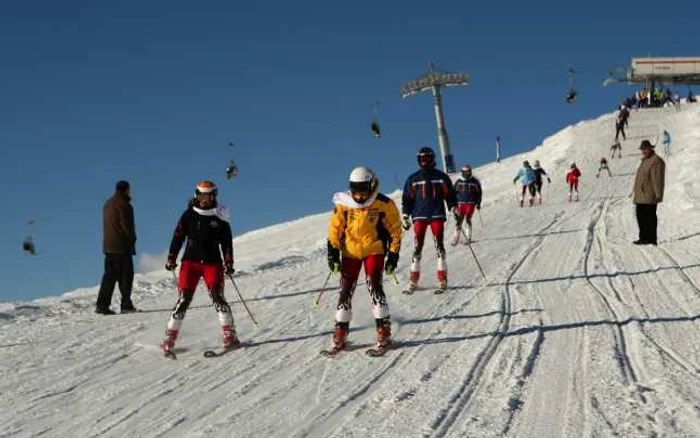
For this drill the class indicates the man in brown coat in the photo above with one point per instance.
(648, 192)
(119, 246)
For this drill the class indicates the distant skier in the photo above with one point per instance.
(624, 114)
(603, 166)
(539, 172)
(572, 177)
(468, 190)
(364, 228)
(527, 180)
(620, 128)
(205, 226)
(666, 142)
(424, 197)
(616, 147)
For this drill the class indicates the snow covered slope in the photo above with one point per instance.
(575, 332)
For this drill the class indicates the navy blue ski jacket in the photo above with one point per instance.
(425, 194)
(468, 190)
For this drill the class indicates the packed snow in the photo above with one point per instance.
(574, 332)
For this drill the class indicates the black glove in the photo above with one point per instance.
(228, 269)
(478, 206)
(406, 222)
(171, 264)
(333, 259)
(392, 259)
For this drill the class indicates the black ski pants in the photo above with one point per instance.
(647, 221)
(119, 268)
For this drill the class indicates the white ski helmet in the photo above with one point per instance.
(362, 180)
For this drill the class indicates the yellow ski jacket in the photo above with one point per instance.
(360, 230)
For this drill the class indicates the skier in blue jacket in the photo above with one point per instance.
(424, 197)
(527, 178)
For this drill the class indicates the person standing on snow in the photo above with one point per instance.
(205, 226)
(620, 128)
(603, 166)
(527, 180)
(648, 191)
(572, 177)
(539, 172)
(468, 190)
(424, 197)
(666, 142)
(364, 229)
(119, 245)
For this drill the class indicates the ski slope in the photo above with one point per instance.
(575, 332)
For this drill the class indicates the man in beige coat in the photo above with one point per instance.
(119, 246)
(648, 192)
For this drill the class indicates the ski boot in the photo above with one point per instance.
(339, 339)
(532, 202)
(522, 201)
(169, 343)
(231, 340)
(442, 282)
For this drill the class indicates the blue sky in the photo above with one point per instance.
(94, 92)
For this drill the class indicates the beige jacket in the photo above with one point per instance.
(649, 181)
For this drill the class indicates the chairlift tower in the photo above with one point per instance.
(433, 81)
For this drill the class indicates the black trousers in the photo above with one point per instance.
(647, 221)
(119, 268)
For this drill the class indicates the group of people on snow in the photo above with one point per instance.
(365, 230)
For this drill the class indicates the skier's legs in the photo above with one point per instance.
(374, 268)
(214, 279)
(126, 280)
(350, 270)
(190, 273)
(109, 280)
(468, 213)
(419, 228)
(437, 226)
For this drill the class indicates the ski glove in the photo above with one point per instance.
(549, 181)
(478, 206)
(392, 259)
(406, 222)
(333, 259)
(228, 269)
(171, 264)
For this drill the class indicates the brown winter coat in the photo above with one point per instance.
(649, 181)
(118, 225)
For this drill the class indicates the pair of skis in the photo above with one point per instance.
(376, 351)
(207, 353)
(438, 291)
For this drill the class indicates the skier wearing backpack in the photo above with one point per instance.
(468, 190)
(424, 197)
(539, 172)
(365, 228)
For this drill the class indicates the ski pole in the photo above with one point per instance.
(474, 254)
(230, 276)
(317, 301)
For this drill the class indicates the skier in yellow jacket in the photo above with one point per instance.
(365, 227)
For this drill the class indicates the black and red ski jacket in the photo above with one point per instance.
(205, 233)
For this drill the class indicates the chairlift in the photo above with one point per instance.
(28, 243)
(231, 169)
(375, 121)
(572, 94)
